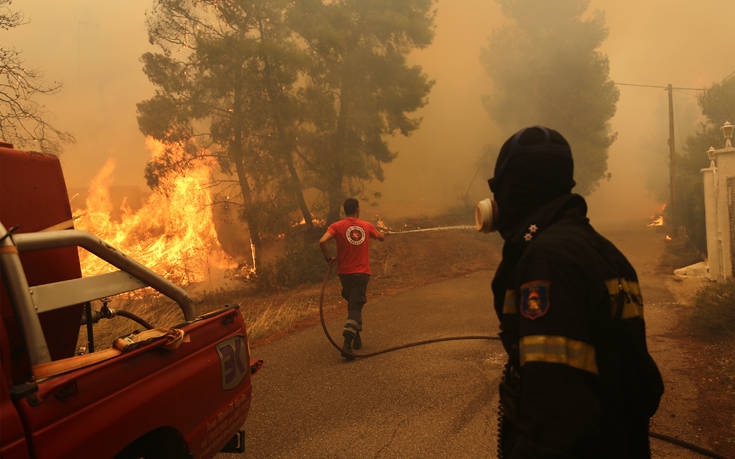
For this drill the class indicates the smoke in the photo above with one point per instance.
(93, 49)
(655, 43)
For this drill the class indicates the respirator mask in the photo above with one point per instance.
(486, 216)
(533, 167)
(486, 212)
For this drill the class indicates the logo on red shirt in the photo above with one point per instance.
(355, 235)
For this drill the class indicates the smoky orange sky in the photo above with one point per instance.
(93, 49)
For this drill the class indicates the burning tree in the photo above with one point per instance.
(173, 232)
(286, 95)
(224, 78)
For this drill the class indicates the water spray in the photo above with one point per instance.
(486, 221)
(437, 228)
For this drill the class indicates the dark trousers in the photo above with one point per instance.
(354, 288)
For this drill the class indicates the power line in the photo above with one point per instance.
(691, 89)
(640, 85)
(656, 86)
(672, 150)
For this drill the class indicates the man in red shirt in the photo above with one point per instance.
(353, 266)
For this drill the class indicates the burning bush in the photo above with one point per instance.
(173, 233)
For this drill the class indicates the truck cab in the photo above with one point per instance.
(175, 391)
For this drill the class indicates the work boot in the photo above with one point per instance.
(357, 342)
(347, 346)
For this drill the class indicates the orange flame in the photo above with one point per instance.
(658, 220)
(173, 233)
(315, 221)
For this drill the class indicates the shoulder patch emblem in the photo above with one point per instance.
(535, 299)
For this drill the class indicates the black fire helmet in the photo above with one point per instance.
(534, 166)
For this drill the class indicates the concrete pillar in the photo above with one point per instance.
(714, 258)
(725, 172)
(719, 207)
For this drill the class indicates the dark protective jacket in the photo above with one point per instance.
(579, 380)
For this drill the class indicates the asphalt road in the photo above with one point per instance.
(441, 399)
(434, 400)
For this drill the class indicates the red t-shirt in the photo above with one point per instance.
(353, 237)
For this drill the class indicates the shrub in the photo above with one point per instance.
(714, 317)
(302, 263)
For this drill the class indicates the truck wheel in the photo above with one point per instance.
(163, 443)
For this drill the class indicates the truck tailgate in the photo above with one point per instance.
(202, 389)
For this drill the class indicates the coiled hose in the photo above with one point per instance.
(390, 349)
(501, 414)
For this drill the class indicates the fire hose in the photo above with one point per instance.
(666, 438)
(390, 349)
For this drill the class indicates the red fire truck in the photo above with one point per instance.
(179, 391)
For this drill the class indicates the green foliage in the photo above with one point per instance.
(546, 69)
(225, 77)
(359, 87)
(718, 106)
(287, 95)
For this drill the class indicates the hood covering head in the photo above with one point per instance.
(534, 167)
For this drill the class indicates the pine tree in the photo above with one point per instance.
(546, 69)
(225, 76)
(359, 87)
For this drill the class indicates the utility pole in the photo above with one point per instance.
(672, 163)
(672, 147)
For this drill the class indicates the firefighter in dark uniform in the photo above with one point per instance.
(579, 381)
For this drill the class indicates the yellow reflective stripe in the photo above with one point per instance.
(558, 349)
(510, 303)
(633, 301)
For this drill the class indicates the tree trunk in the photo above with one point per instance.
(238, 155)
(334, 191)
(272, 88)
(299, 192)
(250, 217)
(335, 197)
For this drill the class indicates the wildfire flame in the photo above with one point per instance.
(315, 221)
(173, 233)
(658, 220)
